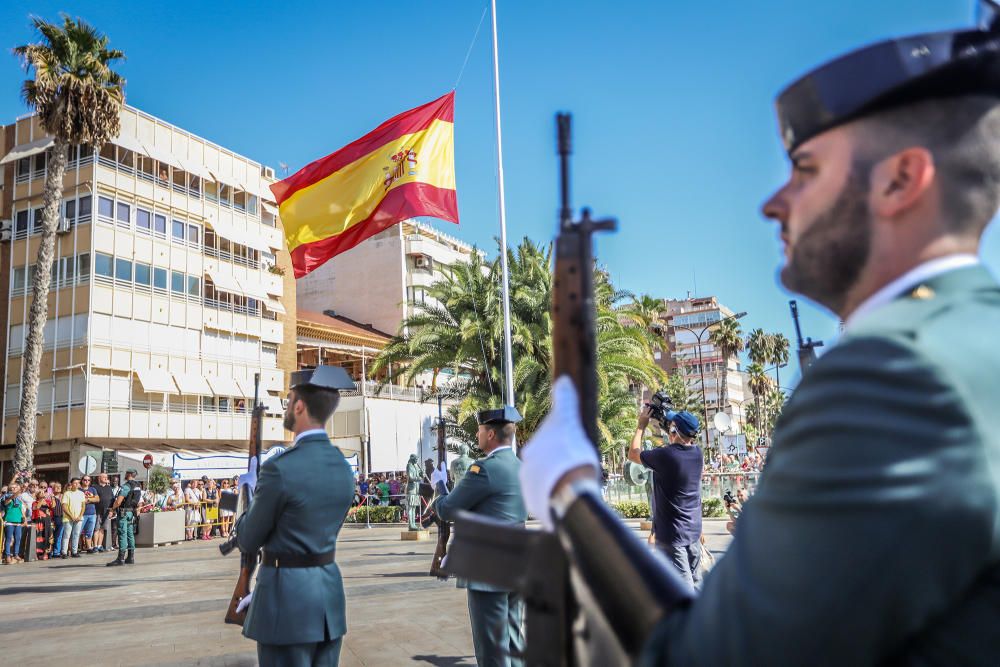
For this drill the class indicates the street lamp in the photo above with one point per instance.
(701, 366)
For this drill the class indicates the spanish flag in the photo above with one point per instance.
(402, 169)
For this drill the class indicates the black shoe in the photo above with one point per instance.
(75, 554)
(91, 551)
(117, 561)
(130, 559)
(64, 556)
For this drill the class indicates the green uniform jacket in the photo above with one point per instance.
(299, 505)
(874, 535)
(491, 488)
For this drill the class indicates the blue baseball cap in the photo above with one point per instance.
(685, 422)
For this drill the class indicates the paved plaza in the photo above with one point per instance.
(168, 608)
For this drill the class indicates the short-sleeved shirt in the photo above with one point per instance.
(677, 488)
(14, 509)
(91, 508)
(383, 491)
(107, 496)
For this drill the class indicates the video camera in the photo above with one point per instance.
(658, 405)
(728, 498)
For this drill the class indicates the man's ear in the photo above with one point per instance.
(901, 181)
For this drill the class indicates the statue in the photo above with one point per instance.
(460, 465)
(413, 492)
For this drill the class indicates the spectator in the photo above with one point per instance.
(28, 498)
(74, 503)
(175, 498)
(383, 492)
(394, 491)
(13, 513)
(211, 509)
(192, 500)
(226, 516)
(42, 517)
(106, 496)
(89, 515)
(57, 518)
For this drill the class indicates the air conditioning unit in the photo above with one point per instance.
(422, 262)
(5, 230)
(267, 172)
(62, 227)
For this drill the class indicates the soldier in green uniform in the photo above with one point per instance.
(126, 506)
(874, 534)
(296, 612)
(490, 487)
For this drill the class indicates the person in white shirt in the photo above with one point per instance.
(74, 502)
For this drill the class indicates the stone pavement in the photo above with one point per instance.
(168, 608)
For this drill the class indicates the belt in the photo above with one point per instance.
(271, 559)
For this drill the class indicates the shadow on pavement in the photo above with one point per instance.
(15, 590)
(446, 660)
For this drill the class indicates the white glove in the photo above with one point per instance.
(250, 476)
(244, 603)
(440, 475)
(558, 446)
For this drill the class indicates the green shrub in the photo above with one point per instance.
(159, 480)
(713, 508)
(377, 514)
(629, 509)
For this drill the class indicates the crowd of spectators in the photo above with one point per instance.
(387, 489)
(731, 463)
(77, 518)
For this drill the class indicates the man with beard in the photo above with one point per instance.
(296, 610)
(874, 535)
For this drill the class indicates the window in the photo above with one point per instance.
(177, 230)
(142, 276)
(177, 282)
(21, 223)
(159, 278)
(36, 225)
(194, 285)
(70, 213)
(143, 223)
(208, 404)
(83, 209)
(223, 404)
(40, 162)
(105, 208)
(102, 264)
(124, 214)
(160, 226)
(83, 266)
(20, 279)
(194, 233)
(123, 269)
(24, 168)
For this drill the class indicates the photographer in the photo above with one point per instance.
(677, 492)
(734, 507)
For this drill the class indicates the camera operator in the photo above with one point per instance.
(677, 492)
(734, 507)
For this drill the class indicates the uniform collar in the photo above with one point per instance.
(498, 449)
(923, 272)
(306, 434)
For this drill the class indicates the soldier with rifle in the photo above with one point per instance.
(490, 488)
(874, 535)
(296, 611)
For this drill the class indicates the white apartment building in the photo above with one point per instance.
(374, 282)
(171, 290)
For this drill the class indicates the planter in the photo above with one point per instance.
(156, 528)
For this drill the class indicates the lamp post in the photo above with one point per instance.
(701, 366)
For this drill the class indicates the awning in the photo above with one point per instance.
(225, 282)
(274, 305)
(129, 143)
(227, 180)
(28, 149)
(272, 405)
(196, 168)
(270, 208)
(224, 386)
(253, 289)
(192, 385)
(156, 381)
(162, 155)
(246, 387)
(255, 241)
(265, 192)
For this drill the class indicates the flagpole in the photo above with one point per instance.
(505, 279)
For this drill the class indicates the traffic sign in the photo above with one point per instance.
(87, 465)
(147, 461)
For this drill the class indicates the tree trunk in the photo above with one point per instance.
(38, 314)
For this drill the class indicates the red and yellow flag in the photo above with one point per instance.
(402, 169)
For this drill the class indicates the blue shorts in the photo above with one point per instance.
(89, 523)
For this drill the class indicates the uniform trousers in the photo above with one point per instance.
(496, 628)
(311, 654)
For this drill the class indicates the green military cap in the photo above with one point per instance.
(323, 377)
(504, 415)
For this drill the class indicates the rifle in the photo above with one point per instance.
(444, 527)
(807, 351)
(248, 562)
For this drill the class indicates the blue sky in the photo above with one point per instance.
(674, 131)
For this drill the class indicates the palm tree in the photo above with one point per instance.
(461, 329)
(779, 354)
(727, 337)
(77, 97)
(759, 346)
(760, 384)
